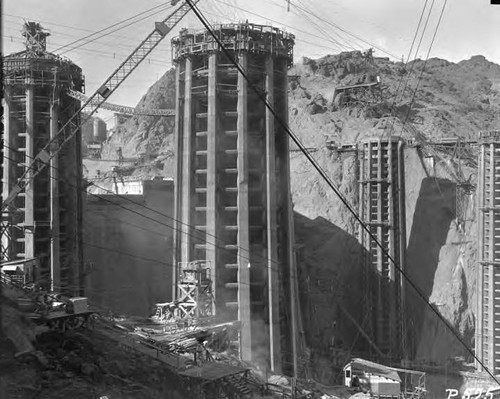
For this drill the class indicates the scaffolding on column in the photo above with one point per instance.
(194, 304)
(195, 291)
(6, 237)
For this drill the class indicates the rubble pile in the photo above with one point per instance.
(78, 364)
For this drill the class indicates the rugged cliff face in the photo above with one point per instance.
(147, 138)
(451, 100)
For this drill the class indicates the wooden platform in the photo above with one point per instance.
(213, 371)
(57, 314)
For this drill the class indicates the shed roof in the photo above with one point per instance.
(20, 262)
(374, 368)
(19, 265)
(12, 268)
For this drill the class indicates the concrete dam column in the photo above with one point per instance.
(488, 283)
(382, 209)
(46, 224)
(231, 161)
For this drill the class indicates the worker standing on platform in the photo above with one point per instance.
(120, 155)
(332, 338)
(368, 54)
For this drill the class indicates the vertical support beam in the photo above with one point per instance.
(9, 167)
(79, 269)
(29, 216)
(55, 267)
(212, 172)
(392, 220)
(491, 281)
(361, 198)
(187, 168)
(244, 315)
(272, 234)
(368, 266)
(363, 188)
(480, 272)
(79, 206)
(95, 130)
(290, 257)
(178, 183)
(380, 255)
(8, 153)
(391, 289)
(402, 247)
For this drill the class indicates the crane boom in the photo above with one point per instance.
(121, 108)
(71, 127)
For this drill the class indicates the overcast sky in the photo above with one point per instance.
(468, 27)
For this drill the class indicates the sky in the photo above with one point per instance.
(467, 28)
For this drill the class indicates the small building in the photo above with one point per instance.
(20, 271)
(384, 381)
(94, 149)
(379, 380)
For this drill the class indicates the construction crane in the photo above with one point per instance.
(96, 100)
(122, 109)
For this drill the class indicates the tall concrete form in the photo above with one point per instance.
(44, 221)
(382, 208)
(488, 283)
(233, 202)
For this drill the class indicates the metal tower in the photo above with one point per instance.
(45, 220)
(233, 199)
(382, 208)
(488, 283)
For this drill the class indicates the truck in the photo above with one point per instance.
(57, 312)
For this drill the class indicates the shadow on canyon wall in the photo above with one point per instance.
(434, 212)
(331, 295)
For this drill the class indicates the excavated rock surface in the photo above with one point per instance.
(82, 365)
(452, 99)
(147, 138)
